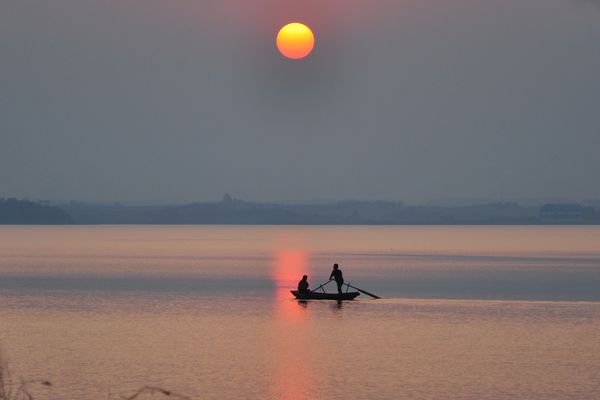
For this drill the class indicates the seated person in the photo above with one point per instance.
(303, 285)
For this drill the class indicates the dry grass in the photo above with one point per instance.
(9, 390)
(151, 390)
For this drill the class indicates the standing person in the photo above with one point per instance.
(337, 275)
(303, 285)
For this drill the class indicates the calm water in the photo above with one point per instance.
(468, 312)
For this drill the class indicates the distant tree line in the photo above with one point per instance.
(14, 211)
(234, 211)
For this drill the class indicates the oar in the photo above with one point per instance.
(323, 284)
(363, 291)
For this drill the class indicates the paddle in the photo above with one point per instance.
(363, 291)
(323, 284)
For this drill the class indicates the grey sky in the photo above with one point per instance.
(181, 100)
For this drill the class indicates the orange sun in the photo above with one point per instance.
(295, 41)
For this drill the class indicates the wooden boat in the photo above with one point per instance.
(324, 296)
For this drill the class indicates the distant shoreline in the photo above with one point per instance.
(230, 211)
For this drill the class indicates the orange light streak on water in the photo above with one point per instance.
(289, 267)
(293, 346)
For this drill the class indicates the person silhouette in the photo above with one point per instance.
(337, 275)
(303, 285)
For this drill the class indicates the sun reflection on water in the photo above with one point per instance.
(288, 268)
(293, 347)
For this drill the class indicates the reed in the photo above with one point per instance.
(153, 389)
(9, 390)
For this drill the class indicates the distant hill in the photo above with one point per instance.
(234, 211)
(227, 211)
(19, 212)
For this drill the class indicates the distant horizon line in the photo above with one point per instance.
(450, 201)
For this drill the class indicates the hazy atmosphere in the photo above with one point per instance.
(181, 100)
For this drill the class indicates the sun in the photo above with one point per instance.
(295, 41)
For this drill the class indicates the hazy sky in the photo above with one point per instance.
(183, 100)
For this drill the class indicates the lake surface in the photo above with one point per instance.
(205, 311)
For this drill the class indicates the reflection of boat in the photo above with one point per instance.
(325, 296)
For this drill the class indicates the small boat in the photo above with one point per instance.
(324, 296)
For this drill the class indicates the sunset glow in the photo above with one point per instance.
(295, 41)
(289, 267)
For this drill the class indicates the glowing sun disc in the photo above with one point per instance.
(295, 41)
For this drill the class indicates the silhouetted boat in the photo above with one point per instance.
(325, 296)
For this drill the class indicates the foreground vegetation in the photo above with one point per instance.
(22, 390)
